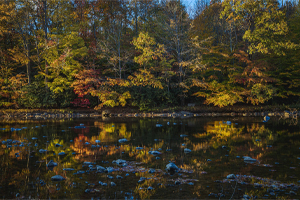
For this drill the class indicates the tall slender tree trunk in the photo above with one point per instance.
(119, 48)
(46, 38)
(28, 64)
(136, 17)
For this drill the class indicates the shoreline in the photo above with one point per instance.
(127, 113)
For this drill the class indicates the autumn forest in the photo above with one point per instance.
(148, 53)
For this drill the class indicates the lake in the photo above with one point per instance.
(116, 158)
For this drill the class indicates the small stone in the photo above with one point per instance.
(119, 177)
(57, 145)
(183, 135)
(155, 153)
(177, 182)
(57, 178)
(51, 164)
(87, 163)
(62, 153)
(112, 184)
(122, 140)
(231, 176)
(68, 169)
(110, 177)
(248, 159)
(42, 150)
(150, 188)
(119, 162)
(186, 150)
(172, 168)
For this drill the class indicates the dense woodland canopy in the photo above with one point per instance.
(146, 53)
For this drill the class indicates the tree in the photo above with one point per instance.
(113, 45)
(173, 25)
(266, 26)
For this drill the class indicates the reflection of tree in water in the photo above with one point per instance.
(261, 135)
(220, 133)
(82, 149)
(111, 132)
(222, 129)
(141, 189)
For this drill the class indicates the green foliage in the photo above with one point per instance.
(113, 98)
(261, 93)
(266, 25)
(62, 61)
(36, 95)
(219, 94)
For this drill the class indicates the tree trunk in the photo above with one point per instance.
(46, 38)
(28, 63)
(136, 17)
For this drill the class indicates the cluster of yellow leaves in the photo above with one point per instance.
(112, 98)
(144, 78)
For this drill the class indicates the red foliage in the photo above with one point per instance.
(81, 102)
(86, 81)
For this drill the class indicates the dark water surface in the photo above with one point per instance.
(217, 150)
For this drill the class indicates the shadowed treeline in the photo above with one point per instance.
(148, 53)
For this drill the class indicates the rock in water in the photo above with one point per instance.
(186, 150)
(110, 177)
(155, 153)
(57, 178)
(245, 196)
(62, 153)
(123, 140)
(112, 184)
(51, 164)
(79, 127)
(119, 177)
(172, 168)
(100, 168)
(42, 150)
(248, 159)
(151, 171)
(119, 161)
(183, 135)
(87, 163)
(68, 169)
(109, 169)
(150, 188)
(57, 145)
(266, 118)
(231, 176)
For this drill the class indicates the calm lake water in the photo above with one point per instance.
(217, 150)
